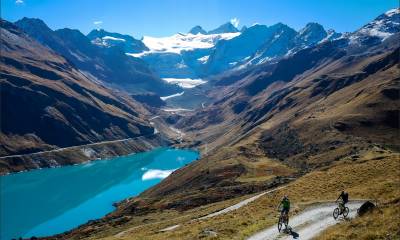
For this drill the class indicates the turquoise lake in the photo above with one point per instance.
(50, 201)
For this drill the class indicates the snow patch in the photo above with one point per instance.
(113, 38)
(180, 65)
(182, 42)
(185, 82)
(172, 96)
(392, 12)
(176, 110)
(375, 32)
(138, 55)
(204, 59)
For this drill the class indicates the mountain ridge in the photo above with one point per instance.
(225, 55)
(128, 43)
(107, 65)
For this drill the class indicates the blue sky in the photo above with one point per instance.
(166, 17)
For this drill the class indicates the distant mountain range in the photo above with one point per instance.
(228, 48)
(134, 65)
(104, 61)
(62, 80)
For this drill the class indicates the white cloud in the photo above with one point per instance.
(98, 22)
(156, 174)
(19, 1)
(235, 22)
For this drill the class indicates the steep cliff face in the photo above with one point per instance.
(46, 102)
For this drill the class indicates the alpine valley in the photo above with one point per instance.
(271, 110)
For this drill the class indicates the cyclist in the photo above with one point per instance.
(345, 199)
(285, 203)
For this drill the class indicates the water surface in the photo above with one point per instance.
(49, 201)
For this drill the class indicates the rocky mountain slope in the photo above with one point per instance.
(47, 103)
(307, 111)
(106, 64)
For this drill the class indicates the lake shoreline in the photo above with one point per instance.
(80, 154)
(64, 198)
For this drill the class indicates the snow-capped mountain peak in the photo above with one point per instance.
(392, 12)
(224, 28)
(103, 38)
(379, 29)
(312, 33)
(331, 35)
(182, 42)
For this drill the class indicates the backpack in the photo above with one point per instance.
(345, 197)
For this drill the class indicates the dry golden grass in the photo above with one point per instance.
(263, 169)
(144, 227)
(383, 223)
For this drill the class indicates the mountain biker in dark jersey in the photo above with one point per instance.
(345, 199)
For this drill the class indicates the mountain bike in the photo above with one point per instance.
(340, 210)
(283, 220)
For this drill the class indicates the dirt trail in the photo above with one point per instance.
(226, 210)
(309, 223)
(72, 147)
(223, 211)
(240, 204)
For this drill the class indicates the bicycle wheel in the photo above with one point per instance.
(280, 224)
(286, 221)
(346, 211)
(336, 213)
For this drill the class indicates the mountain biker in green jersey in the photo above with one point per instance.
(285, 203)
